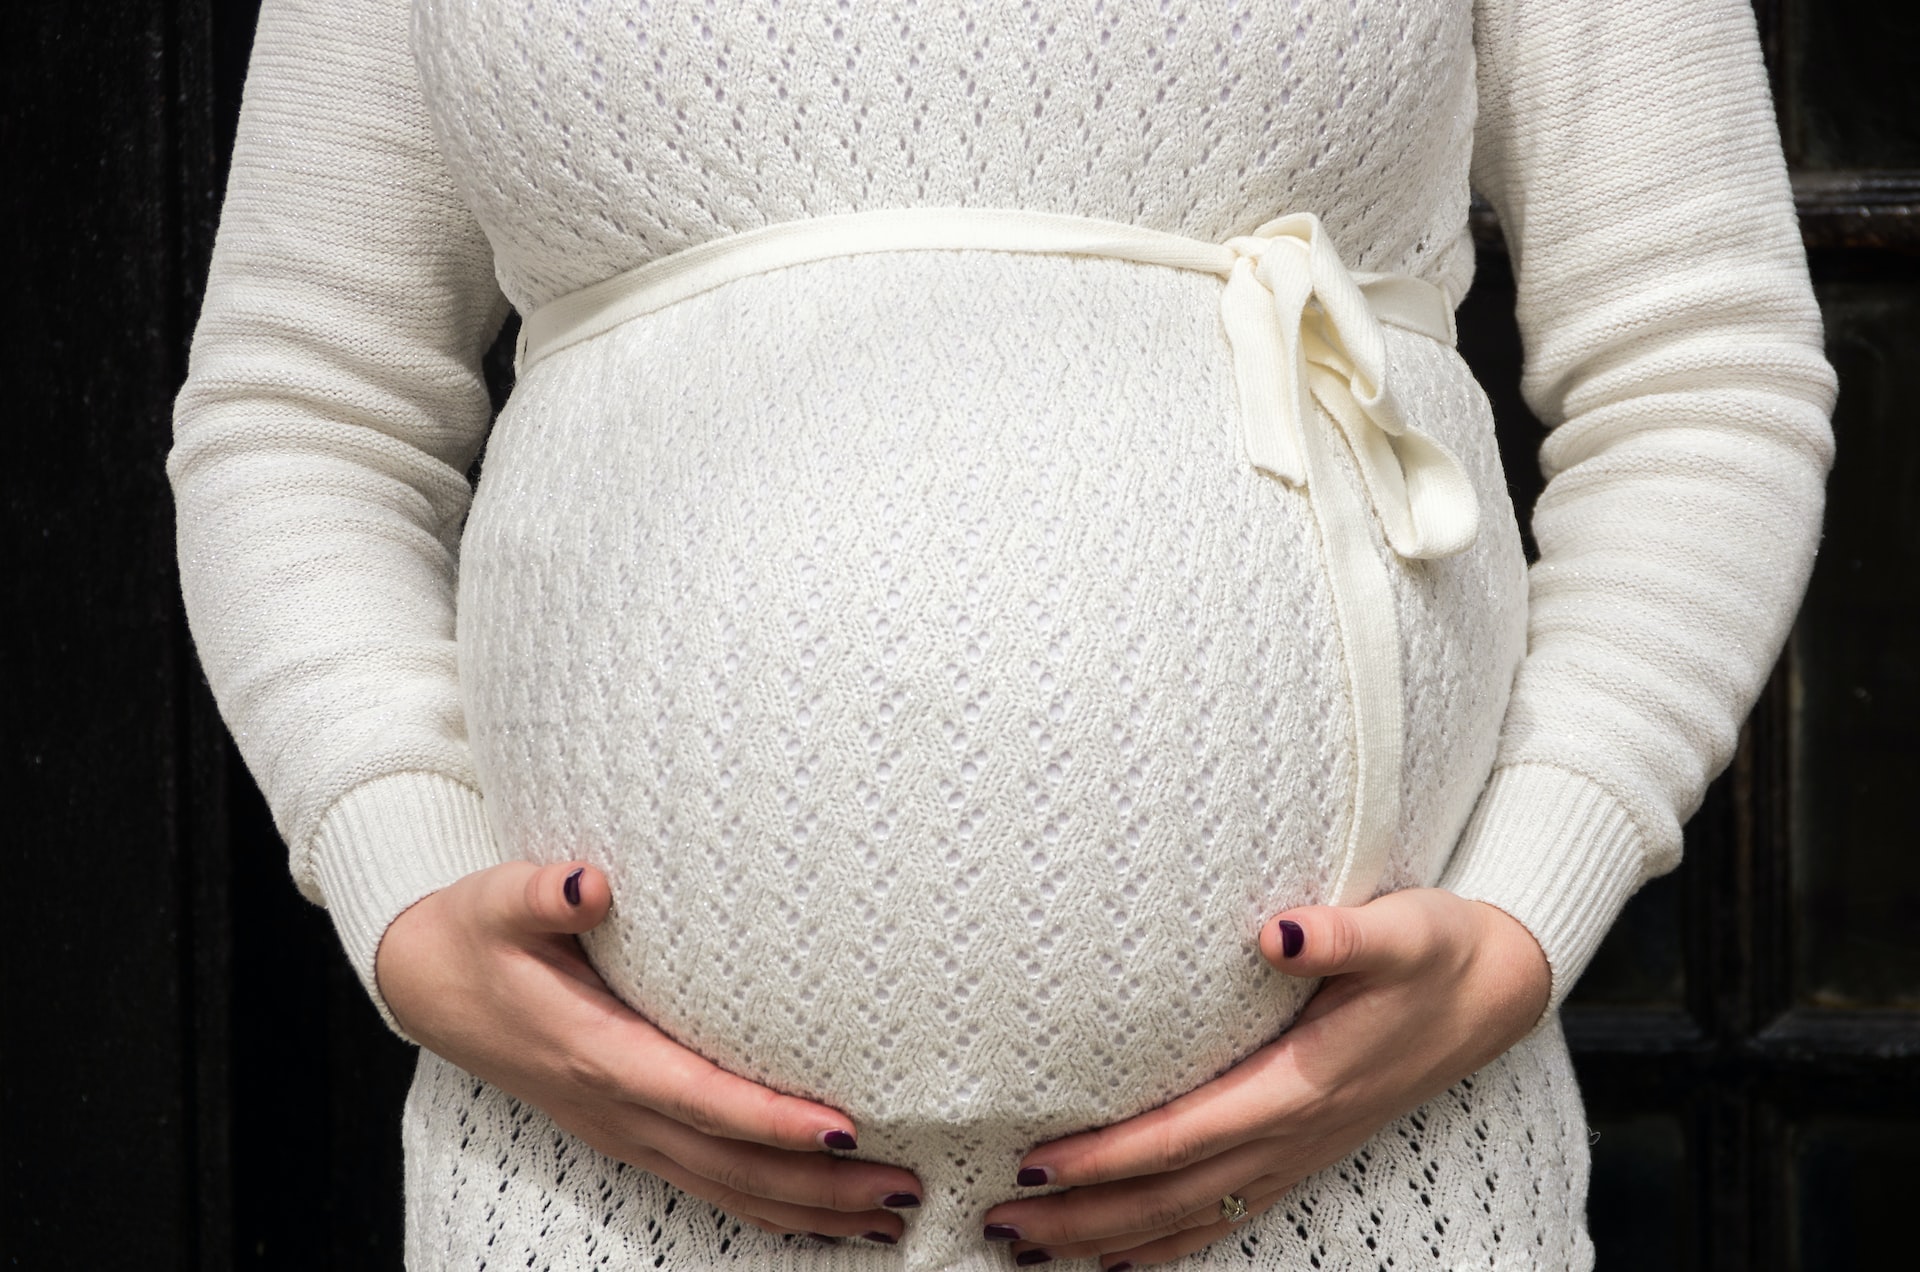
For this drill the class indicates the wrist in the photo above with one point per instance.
(1516, 963)
(384, 846)
(1556, 853)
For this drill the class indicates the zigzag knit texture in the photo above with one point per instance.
(905, 635)
(947, 729)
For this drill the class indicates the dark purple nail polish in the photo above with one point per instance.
(1027, 1258)
(1033, 1176)
(1292, 940)
(1119, 1267)
(899, 1201)
(884, 1238)
(572, 886)
(1002, 1232)
(839, 1139)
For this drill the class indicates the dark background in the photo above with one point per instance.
(193, 1078)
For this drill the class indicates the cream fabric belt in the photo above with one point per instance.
(1302, 329)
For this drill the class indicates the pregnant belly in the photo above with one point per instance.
(946, 700)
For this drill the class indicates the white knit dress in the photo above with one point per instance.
(906, 634)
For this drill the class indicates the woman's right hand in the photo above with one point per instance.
(487, 973)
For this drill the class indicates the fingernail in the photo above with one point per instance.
(1027, 1258)
(1292, 939)
(899, 1201)
(1119, 1267)
(1002, 1232)
(842, 1140)
(1034, 1176)
(572, 886)
(884, 1238)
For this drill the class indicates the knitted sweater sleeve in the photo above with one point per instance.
(1673, 348)
(332, 405)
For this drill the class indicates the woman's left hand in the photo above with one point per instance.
(1423, 989)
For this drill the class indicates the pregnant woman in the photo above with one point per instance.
(988, 706)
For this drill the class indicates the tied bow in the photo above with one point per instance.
(1304, 329)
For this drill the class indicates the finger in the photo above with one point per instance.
(882, 1227)
(1209, 1225)
(1245, 1103)
(1390, 934)
(528, 900)
(613, 1052)
(804, 1178)
(627, 1058)
(1142, 1249)
(1130, 1208)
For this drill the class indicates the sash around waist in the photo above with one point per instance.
(1302, 329)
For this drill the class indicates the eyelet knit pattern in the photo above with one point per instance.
(949, 711)
(905, 634)
(592, 137)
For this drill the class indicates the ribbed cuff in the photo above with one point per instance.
(1557, 853)
(386, 844)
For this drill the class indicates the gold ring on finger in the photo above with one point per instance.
(1233, 1209)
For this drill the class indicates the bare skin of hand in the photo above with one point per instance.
(1423, 989)
(487, 973)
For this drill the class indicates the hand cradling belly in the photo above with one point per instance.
(947, 721)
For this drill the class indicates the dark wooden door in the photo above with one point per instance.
(193, 1079)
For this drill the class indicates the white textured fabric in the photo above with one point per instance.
(948, 729)
(906, 634)
(1303, 332)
